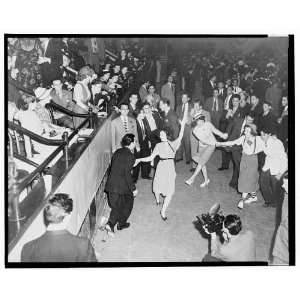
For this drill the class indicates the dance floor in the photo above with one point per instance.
(150, 239)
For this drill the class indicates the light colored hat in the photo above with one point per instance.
(42, 93)
(198, 115)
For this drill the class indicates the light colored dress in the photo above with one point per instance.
(207, 143)
(165, 175)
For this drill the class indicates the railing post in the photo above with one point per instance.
(66, 149)
(91, 118)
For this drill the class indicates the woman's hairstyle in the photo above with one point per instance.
(252, 129)
(84, 73)
(167, 131)
(165, 101)
(22, 104)
(127, 139)
(57, 208)
(286, 175)
(233, 224)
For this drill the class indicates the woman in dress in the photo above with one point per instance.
(204, 132)
(26, 57)
(165, 175)
(248, 178)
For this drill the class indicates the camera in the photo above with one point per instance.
(213, 220)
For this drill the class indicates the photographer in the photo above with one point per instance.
(237, 246)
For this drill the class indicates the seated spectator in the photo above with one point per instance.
(57, 244)
(237, 246)
(63, 98)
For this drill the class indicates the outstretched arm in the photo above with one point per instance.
(148, 158)
(218, 132)
(238, 141)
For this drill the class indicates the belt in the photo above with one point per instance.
(166, 158)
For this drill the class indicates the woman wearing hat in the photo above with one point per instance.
(248, 178)
(204, 132)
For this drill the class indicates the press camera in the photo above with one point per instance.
(213, 220)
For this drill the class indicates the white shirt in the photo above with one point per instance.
(236, 90)
(151, 121)
(276, 159)
(226, 102)
(253, 146)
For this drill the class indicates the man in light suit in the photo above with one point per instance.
(121, 126)
(57, 244)
(214, 106)
(168, 91)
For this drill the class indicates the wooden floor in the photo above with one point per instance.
(149, 239)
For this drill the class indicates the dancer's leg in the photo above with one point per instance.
(204, 172)
(157, 197)
(196, 172)
(166, 204)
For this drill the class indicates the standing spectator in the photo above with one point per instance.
(245, 107)
(57, 244)
(143, 91)
(283, 122)
(185, 146)
(209, 86)
(275, 165)
(268, 119)
(221, 89)
(235, 88)
(168, 91)
(256, 109)
(120, 186)
(281, 245)
(133, 106)
(152, 97)
(214, 106)
(273, 96)
(121, 126)
(170, 118)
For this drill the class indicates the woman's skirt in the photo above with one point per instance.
(164, 179)
(203, 154)
(248, 178)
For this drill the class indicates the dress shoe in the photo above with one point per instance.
(205, 183)
(178, 160)
(110, 230)
(147, 177)
(233, 186)
(123, 226)
(250, 200)
(222, 169)
(192, 169)
(163, 218)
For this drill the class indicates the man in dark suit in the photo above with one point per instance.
(186, 140)
(120, 187)
(209, 86)
(222, 91)
(214, 106)
(145, 147)
(170, 118)
(268, 120)
(133, 106)
(57, 244)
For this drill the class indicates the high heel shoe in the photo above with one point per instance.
(189, 182)
(163, 218)
(158, 203)
(205, 183)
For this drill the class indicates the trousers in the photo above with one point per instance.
(121, 206)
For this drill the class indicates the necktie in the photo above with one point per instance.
(213, 107)
(125, 123)
(143, 129)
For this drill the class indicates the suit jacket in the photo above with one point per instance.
(171, 121)
(234, 129)
(268, 122)
(207, 89)
(223, 97)
(58, 246)
(209, 105)
(143, 93)
(120, 179)
(118, 131)
(168, 92)
(158, 122)
(133, 113)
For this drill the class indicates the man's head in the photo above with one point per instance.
(151, 89)
(254, 100)
(164, 104)
(140, 115)
(185, 98)
(266, 133)
(215, 93)
(147, 109)
(58, 207)
(284, 101)
(123, 53)
(267, 107)
(124, 70)
(232, 226)
(235, 82)
(213, 78)
(228, 82)
(229, 91)
(117, 68)
(170, 78)
(236, 100)
(220, 85)
(250, 118)
(124, 110)
(133, 99)
(128, 141)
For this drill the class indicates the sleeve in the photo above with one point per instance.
(128, 176)
(77, 94)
